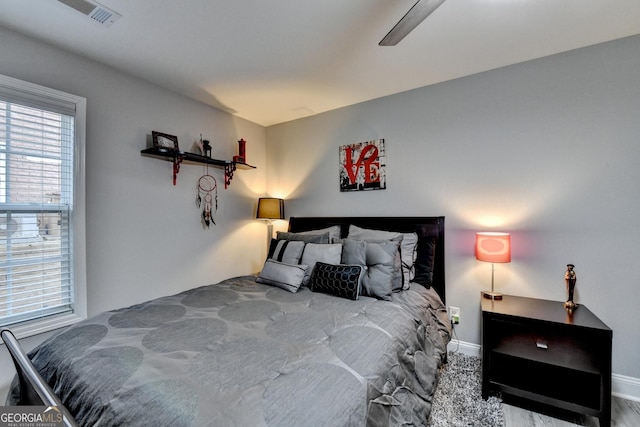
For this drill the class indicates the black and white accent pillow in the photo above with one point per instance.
(336, 279)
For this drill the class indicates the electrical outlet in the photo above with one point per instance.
(454, 314)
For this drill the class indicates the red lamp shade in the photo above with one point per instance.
(493, 247)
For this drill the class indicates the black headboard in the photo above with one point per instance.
(430, 226)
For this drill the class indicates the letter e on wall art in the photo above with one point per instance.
(362, 166)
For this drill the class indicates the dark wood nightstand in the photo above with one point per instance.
(535, 350)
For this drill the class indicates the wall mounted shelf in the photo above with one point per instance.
(182, 157)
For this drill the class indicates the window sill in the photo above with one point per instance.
(47, 324)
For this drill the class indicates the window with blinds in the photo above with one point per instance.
(36, 206)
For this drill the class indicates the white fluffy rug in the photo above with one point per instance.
(458, 398)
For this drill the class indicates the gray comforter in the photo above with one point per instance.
(239, 353)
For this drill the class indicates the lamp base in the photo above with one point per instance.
(492, 295)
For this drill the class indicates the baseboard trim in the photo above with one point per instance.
(625, 387)
(621, 386)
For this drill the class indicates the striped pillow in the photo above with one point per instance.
(287, 251)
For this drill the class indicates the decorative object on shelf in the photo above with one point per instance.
(493, 247)
(206, 148)
(207, 198)
(362, 166)
(270, 208)
(165, 142)
(242, 152)
(570, 279)
(198, 144)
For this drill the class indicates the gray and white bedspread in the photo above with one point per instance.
(239, 353)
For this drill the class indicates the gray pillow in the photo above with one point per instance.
(334, 232)
(397, 280)
(354, 251)
(380, 261)
(358, 233)
(406, 256)
(285, 276)
(307, 238)
(314, 252)
(287, 251)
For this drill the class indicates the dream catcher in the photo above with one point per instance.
(207, 198)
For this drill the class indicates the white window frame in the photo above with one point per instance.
(33, 93)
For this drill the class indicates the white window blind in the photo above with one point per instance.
(36, 206)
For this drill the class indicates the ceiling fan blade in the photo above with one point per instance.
(415, 16)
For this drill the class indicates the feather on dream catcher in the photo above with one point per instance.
(207, 198)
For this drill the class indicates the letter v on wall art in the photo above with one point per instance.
(362, 166)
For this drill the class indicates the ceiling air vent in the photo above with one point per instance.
(94, 10)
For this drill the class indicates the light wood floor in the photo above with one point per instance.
(624, 413)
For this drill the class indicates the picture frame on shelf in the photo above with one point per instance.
(165, 142)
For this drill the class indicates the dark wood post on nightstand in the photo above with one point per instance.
(535, 350)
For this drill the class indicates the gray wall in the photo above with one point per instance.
(547, 150)
(144, 237)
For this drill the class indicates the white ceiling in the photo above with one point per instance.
(279, 60)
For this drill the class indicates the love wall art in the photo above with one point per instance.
(362, 166)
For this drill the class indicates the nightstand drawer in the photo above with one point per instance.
(560, 346)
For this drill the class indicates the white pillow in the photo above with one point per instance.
(314, 252)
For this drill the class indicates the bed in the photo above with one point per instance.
(250, 351)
